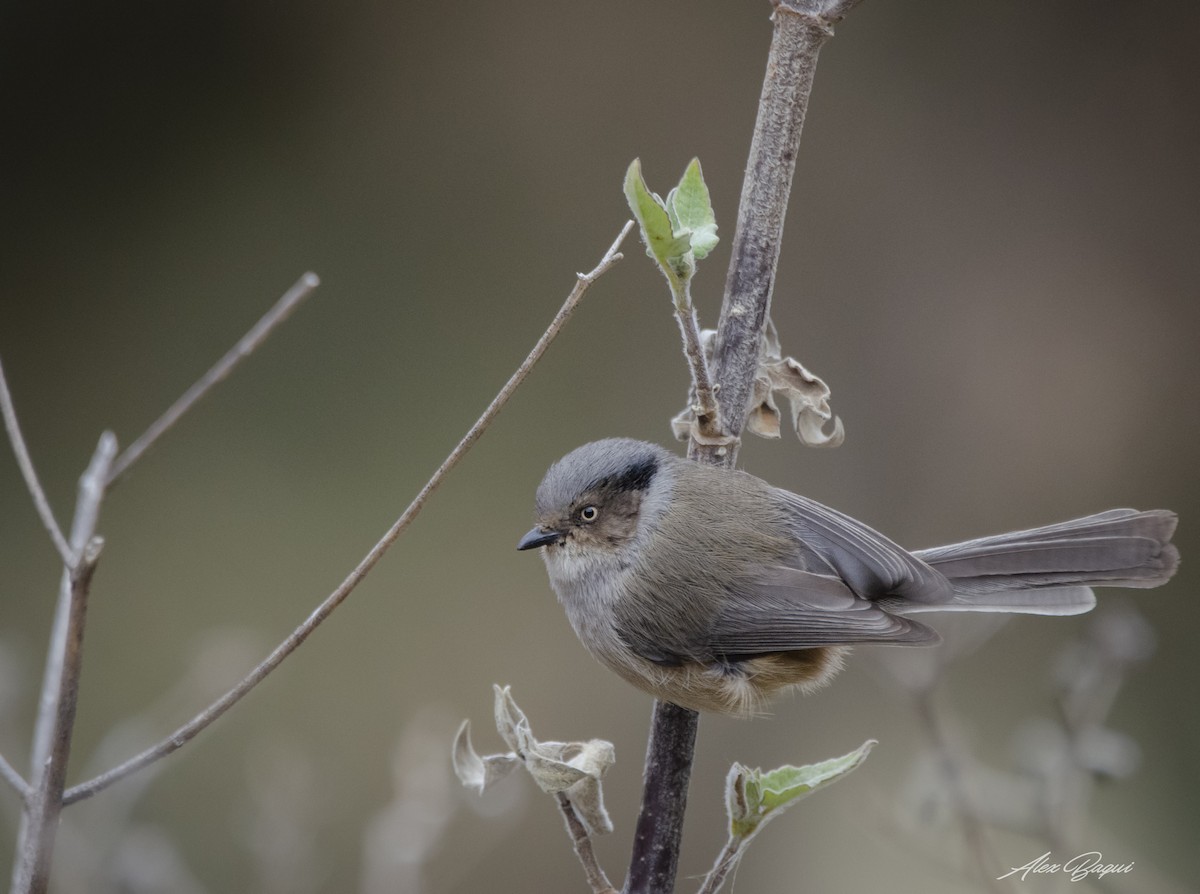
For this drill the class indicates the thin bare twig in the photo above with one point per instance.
(707, 427)
(60, 684)
(202, 720)
(596, 878)
(283, 308)
(9, 774)
(727, 860)
(45, 513)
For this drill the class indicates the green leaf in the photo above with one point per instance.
(689, 208)
(752, 797)
(671, 251)
(786, 784)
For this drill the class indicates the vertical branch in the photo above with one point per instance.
(801, 28)
(664, 799)
(60, 684)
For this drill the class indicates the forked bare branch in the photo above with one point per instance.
(60, 683)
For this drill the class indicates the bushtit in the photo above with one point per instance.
(714, 590)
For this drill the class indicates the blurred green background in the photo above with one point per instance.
(991, 257)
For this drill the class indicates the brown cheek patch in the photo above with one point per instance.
(620, 521)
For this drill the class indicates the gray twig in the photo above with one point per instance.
(726, 861)
(31, 480)
(9, 774)
(283, 308)
(60, 684)
(596, 878)
(189, 730)
(707, 428)
(800, 30)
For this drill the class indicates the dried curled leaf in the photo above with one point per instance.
(572, 768)
(478, 772)
(777, 376)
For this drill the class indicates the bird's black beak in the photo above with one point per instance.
(539, 536)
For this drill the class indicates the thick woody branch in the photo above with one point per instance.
(800, 30)
(205, 718)
(664, 799)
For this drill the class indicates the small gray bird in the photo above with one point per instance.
(714, 590)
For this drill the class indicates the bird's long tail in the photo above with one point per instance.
(1051, 570)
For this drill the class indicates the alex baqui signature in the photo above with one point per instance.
(1078, 868)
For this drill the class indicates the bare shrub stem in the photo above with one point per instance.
(707, 426)
(596, 878)
(726, 862)
(60, 684)
(801, 28)
(43, 795)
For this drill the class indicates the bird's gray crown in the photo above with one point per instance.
(612, 464)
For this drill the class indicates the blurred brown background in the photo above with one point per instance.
(991, 257)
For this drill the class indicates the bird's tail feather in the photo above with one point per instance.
(1050, 570)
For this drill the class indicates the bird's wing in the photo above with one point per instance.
(872, 566)
(784, 609)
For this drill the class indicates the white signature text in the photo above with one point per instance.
(1077, 868)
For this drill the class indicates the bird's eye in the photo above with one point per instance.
(589, 513)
